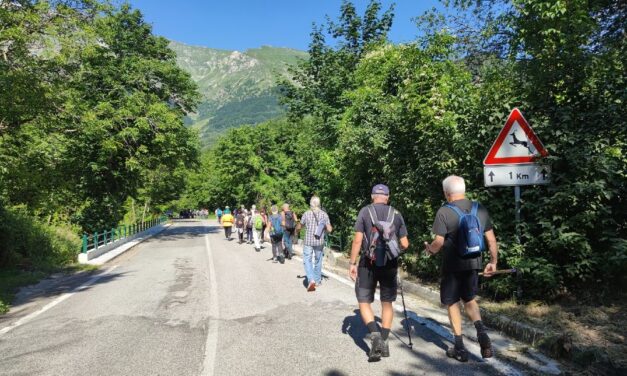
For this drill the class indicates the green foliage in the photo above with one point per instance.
(29, 243)
(249, 165)
(91, 116)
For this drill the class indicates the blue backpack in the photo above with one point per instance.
(470, 232)
(277, 230)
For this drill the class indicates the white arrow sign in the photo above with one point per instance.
(514, 175)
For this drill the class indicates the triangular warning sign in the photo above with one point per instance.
(516, 144)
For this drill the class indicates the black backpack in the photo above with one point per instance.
(239, 221)
(290, 223)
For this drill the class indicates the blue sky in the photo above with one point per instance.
(243, 24)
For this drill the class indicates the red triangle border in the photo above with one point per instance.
(515, 115)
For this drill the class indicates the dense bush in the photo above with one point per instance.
(31, 244)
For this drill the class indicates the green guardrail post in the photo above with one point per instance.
(124, 231)
(96, 239)
(84, 243)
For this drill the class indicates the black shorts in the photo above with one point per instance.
(367, 279)
(462, 285)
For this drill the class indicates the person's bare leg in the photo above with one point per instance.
(472, 310)
(365, 309)
(387, 315)
(455, 317)
(376, 347)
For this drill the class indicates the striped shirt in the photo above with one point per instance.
(309, 220)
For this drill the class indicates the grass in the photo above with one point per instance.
(12, 279)
(592, 336)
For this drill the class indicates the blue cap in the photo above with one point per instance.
(381, 189)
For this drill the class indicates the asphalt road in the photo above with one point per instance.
(188, 302)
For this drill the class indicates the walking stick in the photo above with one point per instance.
(400, 282)
(502, 271)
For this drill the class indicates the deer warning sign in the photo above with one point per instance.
(515, 144)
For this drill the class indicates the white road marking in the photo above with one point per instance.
(214, 313)
(497, 364)
(58, 300)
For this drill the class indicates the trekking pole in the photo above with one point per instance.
(400, 283)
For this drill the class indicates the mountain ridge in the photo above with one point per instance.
(236, 87)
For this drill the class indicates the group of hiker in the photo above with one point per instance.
(279, 228)
(462, 228)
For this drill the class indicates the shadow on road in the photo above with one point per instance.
(355, 327)
(184, 231)
(51, 288)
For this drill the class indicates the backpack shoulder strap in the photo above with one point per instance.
(373, 214)
(457, 210)
(475, 208)
(391, 214)
(315, 216)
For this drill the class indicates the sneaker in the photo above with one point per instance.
(282, 259)
(486, 345)
(258, 249)
(458, 354)
(385, 351)
(312, 286)
(376, 347)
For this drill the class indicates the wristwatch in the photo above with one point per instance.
(353, 263)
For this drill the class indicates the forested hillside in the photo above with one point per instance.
(362, 110)
(236, 87)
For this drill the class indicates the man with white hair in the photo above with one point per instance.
(317, 223)
(377, 265)
(455, 226)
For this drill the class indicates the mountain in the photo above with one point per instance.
(236, 87)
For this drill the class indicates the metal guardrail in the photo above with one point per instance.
(334, 241)
(100, 239)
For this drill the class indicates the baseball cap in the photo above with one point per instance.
(381, 189)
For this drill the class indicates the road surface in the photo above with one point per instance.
(188, 302)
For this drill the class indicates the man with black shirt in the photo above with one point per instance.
(382, 270)
(460, 279)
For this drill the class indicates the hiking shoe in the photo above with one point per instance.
(486, 345)
(376, 347)
(458, 354)
(312, 286)
(385, 351)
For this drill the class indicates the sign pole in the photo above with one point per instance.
(517, 202)
(518, 239)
